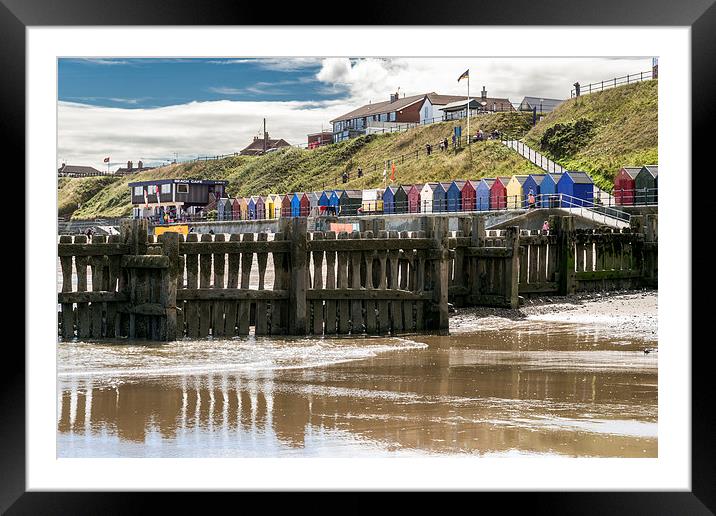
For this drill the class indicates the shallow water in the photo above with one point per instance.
(493, 387)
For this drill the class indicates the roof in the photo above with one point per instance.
(432, 186)
(579, 177)
(548, 104)
(631, 171)
(77, 169)
(441, 100)
(257, 146)
(183, 181)
(555, 177)
(488, 180)
(460, 183)
(504, 180)
(520, 178)
(475, 103)
(125, 170)
(537, 178)
(381, 107)
(654, 169)
(353, 194)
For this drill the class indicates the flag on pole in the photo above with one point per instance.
(106, 160)
(464, 75)
(392, 172)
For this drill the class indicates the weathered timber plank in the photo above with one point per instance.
(376, 244)
(93, 249)
(234, 246)
(330, 305)
(244, 310)
(145, 262)
(261, 326)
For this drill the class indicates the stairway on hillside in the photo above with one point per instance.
(550, 166)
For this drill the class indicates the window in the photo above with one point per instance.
(182, 188)
(166, 188)
(138, 190)
(152, 189)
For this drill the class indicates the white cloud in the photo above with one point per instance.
(87, 134)
(374, 79)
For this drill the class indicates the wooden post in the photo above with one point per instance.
(168, 295)
(566, 239)
(297, 233)
(68, 316)
(439, 234)
(512, 239)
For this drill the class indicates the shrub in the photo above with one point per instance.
(565, 139)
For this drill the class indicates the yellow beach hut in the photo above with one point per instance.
(514, 192)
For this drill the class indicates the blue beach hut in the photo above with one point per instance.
(251, 208)
(296, 204)
(454, 195)
(389, 199)
(440, 197)
(576, 187)
(323, 199)
(482, 194)
(533, 183)
(548, 190)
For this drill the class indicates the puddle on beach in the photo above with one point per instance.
(494, 387)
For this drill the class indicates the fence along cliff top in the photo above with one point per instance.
(373, 282)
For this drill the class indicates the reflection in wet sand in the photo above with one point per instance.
(485, 392)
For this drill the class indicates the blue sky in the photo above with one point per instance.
(154, 109)
(151, 83)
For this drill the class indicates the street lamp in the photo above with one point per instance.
(540, 105)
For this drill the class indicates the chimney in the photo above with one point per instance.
(140, 164)
(484, 93)
(393, 97)
(129, 165)
(256, 138)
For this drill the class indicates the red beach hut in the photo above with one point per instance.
(414, 198)
(305, 206)
(498, 193)
(286, 206)
(624, 186)
(468, 196)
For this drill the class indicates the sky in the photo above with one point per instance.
(155, 109)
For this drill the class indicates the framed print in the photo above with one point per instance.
(346, 258)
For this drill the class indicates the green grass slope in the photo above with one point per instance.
(294, 169)
(602, 132)
(72, 192)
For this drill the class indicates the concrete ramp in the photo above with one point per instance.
(533, 219)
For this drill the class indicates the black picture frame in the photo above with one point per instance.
(699, 15)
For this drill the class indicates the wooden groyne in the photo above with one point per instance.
(367, 282)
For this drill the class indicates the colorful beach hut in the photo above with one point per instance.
(251, 208)
(400, 200)
(260, 207)
(514, 191)
(313, 198)
(304, 205)
(349, 202)
(414, 192)
(389, 199)
(372, 201)
(235, 209)
(624, 185)
(223, 209)
(453, 195)
(533, 182)
(548, 190)
(576, 187)
(286, 208)
(468, 196)
(646, 185)
(270, 206)
(296, 204)
(243, 207)
(482, 193)
(427, 197)
(498, 193)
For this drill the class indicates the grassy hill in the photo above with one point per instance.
(602, 132)
(294, 169)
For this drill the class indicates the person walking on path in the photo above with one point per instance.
(531, 199)
(545, 226)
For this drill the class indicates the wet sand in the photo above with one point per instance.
(543, 380)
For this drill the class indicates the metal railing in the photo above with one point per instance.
(594, 87)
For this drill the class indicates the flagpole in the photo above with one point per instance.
(468, 106)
